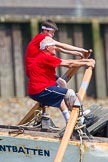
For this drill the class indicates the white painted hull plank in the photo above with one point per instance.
(21, 149)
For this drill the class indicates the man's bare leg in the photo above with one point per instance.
(65, 111)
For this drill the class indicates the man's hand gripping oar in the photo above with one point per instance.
(70, 72)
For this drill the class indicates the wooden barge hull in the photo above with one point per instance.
(32, 146)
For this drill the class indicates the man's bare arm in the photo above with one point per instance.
(77, 63)
(74, 53)
(69, 47)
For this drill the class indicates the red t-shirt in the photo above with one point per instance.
(43, 73)
(32, 51)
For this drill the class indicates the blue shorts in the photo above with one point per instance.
(51, 96)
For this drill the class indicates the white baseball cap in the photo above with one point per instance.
(46, 42)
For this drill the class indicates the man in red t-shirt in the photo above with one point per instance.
(48, 29)
(34, 57)
(42, 85)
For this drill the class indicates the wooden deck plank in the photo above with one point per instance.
(6, 63)
(18, 61)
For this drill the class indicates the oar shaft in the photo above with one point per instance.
(73, 117)
(67, 135)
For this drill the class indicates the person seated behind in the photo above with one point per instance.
(48, 29)
(42, 85)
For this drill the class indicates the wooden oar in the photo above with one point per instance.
(30, 114)
(73, 116)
